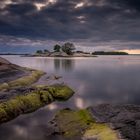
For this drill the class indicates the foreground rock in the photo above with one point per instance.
(101, 122)
(9, 71)
(19, 96)
(13, 76)
(124, 118)
(80, 125)
(37, 97)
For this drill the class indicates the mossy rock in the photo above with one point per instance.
(31, 101)
(80, 123)
(71, 122)
(3, 114)
(61, 92)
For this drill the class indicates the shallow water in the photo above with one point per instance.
(103, 79)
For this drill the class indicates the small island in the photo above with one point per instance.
(109, 53)
(66, 50)
(69, 50)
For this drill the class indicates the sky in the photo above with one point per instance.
(92, 25)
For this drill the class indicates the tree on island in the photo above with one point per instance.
(68, 48)
(39, 51)
(57, 48)
(46, 51)
(109, 53)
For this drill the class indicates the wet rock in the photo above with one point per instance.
(9, 71)
(80, 124)
(32, 101)
(124, 118)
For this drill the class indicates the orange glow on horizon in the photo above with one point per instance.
(132, 51)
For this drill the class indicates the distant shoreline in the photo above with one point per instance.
(14, 54)
(63, 54)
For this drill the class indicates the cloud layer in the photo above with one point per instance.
(87, 21)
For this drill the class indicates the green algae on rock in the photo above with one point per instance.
(32, 101)
(101, 132)
(72, 123)
(59, 93)
(80, 123)
(23, 81)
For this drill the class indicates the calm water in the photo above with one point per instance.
(104, 79)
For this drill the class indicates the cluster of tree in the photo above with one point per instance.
(109, 53)
(68, 48)
(42, 51)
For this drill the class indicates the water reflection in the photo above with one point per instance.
(64, 64)
(57, 64)
(79, 102)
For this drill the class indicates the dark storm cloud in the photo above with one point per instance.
(90, 20)
(20, 9)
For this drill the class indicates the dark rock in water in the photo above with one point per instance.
(124, 118)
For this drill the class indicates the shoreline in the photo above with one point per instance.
(20, 96)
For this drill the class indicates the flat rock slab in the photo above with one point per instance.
(9, 71)
(124, 118)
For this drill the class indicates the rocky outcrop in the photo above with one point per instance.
(19, 96)
(123, 118)
(9, 71)
(13, 76)
(32, 100)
